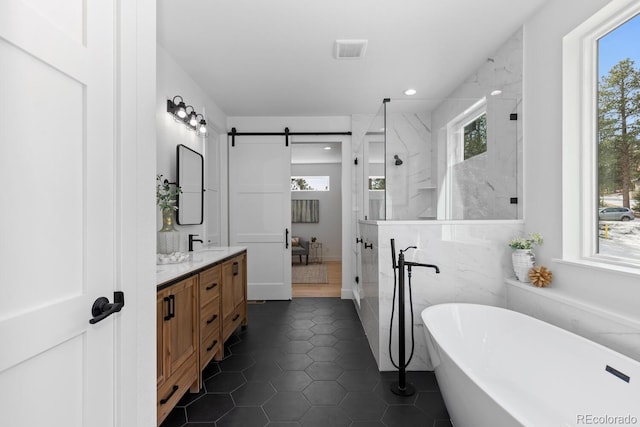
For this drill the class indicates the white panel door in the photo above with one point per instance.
(260, 212)
(57, 227)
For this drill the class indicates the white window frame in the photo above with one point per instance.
(455, 130)
(455, 151)
(579, 135)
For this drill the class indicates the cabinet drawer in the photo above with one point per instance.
(210, 284)
(209, 346)
(210, 317)
(231, 322)
(175, 387)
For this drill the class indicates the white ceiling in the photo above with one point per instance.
(275, 58)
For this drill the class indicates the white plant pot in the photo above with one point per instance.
(523, 260)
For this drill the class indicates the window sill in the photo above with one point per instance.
(619, 267)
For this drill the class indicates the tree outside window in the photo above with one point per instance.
(475, 137)
(619, 139)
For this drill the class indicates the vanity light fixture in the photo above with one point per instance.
(187, 115)
(410, 92)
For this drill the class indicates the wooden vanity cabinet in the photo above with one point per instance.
(177, 348)
(234, 294)
(195, 316)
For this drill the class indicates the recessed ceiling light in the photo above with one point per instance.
(410, 92)
(327, 148)
(496, 92)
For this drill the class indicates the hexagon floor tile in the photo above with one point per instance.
(305, 363)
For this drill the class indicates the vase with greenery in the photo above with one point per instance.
(523, 258)
(166, 198)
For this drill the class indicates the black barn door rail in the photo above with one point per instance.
(286, 134)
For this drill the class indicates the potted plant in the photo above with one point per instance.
(166, 197)
(523, 258)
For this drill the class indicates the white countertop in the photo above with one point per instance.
(197, 259)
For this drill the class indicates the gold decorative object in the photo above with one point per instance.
(540, 276)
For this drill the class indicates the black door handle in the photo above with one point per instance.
(102, 308)
(286, 238)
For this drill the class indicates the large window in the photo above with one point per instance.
(618, 140)
(601, 146)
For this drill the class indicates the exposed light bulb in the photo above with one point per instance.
(193, 121)
(181, 110)
(202, 129)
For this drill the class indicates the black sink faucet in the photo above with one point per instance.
(191, 240)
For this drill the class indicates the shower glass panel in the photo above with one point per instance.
(445, 159)
(374, 174)
(480, 158)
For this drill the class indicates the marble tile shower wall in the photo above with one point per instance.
(481, 187)
(474, 260)
(410, 187)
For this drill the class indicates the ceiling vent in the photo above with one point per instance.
(350, 49)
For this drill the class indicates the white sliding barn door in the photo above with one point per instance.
(57, 222)
(260, 212)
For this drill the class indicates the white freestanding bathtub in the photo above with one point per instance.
(497, 367)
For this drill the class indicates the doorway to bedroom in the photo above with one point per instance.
(316, 219)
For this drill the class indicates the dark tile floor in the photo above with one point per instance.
(305, 363)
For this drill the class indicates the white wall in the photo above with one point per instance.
(329, 229)
(599, 294)
(172, 80)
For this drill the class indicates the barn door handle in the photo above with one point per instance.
(286, 238)
(102, 308)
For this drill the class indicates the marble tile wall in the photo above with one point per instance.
(551, 305)
(474, 260)
(481, 187)
(410, 186)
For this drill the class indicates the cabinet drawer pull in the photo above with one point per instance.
(213, 285)
(168, 301)
(212, 345)
(173, 391)
(172, 306)
(213, 318)
(236, 268)
(235, 317)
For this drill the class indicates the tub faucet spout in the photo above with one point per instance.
(191, 240)
(419, 264)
